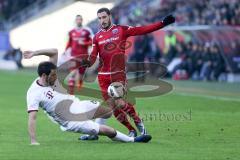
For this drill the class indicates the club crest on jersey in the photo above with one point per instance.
(115, 31)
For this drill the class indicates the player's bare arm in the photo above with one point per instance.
(51, 53)
(32, 116)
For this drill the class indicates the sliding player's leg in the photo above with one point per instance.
(118, 136)
(93, 129)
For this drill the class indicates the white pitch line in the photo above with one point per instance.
(209, 97)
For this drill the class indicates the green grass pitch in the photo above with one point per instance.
(196, 121)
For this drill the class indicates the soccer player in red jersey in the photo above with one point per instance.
(80, 39)
(109, 44)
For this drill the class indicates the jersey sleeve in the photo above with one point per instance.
(69, 43)
(95, 50)
(141, 30)
(33, 101)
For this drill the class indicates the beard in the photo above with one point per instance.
(50, 82)
(106, 25)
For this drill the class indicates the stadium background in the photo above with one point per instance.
(201, 52)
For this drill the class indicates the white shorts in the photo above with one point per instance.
(83, 106)
(86, 126)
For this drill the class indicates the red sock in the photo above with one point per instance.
(79, 86)
(122, 118)
(71, 84)
(130, 110)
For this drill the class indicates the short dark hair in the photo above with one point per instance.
(45, 67)
(78, 15)
(104, 10)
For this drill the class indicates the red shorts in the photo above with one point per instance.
(77, 58)
(105, 80)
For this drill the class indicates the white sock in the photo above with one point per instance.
(122, 137)
(101, 121)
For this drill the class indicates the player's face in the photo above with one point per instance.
(104, 20)
(51, 78)
(79, 21)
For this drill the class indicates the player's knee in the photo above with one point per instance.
(90, 128)
(107, 131)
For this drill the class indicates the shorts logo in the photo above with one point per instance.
(115, 31)
(93, 101)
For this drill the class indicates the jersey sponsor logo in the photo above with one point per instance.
(109, 40)
(49, 95)
(83, 33)
(76, 38)
(100, 36)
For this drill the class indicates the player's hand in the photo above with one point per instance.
(28, 54)
(168, 20)
(85, 63)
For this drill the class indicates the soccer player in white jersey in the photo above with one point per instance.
(67, 110)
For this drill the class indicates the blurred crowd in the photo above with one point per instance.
(192, 60)
(10, 7)
(204, 12)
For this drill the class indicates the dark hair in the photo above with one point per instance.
(104, 10)
(78, 15)
(45, 67)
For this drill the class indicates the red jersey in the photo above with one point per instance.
(79, 41)
(110, 46)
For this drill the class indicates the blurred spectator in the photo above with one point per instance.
(141, 47)
(14, 55)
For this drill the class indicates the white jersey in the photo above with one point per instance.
(46, 98)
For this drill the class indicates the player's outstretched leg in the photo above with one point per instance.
(118, 136)
(121, 116)
(130, 110)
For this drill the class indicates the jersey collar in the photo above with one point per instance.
(113, 25)
(39, 83)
